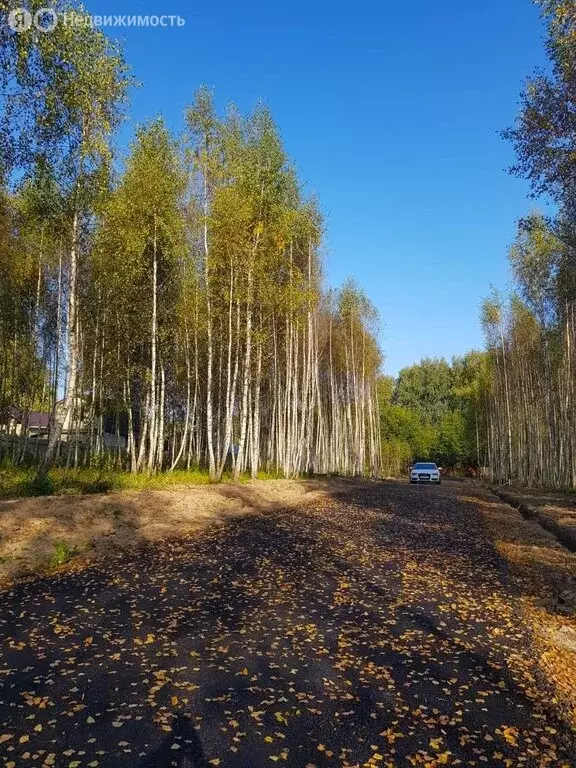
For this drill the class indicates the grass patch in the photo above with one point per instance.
(39, 486)
(126, 481)
(18, 482)
(63, 553)
(271, 475)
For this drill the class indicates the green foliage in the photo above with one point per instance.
(408, 426)
(530, 394)
(426, 388)
(385, 386)
(451, 445)
(543, 135)
(147, 204)
(142, 214)
(536, 258)
(39, 486)
(17, 482)
(528, 382)
(433, 411)
(179, 303)
(396, 456)
(130, 482)
(63, 553)
(72, 85)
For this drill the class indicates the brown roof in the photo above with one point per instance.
(32, 419)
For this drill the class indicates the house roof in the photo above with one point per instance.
(33, 419)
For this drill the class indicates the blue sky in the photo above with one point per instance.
(392, 113)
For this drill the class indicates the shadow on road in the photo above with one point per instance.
(181, 748)
(380, 616)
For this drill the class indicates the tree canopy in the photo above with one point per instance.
(167, 308)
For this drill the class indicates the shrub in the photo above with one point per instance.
(63, 553)
(40, 486)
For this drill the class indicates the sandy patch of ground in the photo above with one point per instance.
(554, 510)
(545, 573)
(30, 528)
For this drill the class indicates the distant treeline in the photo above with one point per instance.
(435, 411)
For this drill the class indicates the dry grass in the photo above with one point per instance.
(545, 573)
(32, 529)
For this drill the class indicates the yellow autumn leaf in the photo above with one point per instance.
(510, 736)
(436, 744)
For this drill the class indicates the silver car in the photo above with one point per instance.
(425, 472)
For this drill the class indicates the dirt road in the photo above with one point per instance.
(374, 626)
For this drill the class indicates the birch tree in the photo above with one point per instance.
(142, 237)
(85, 83)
